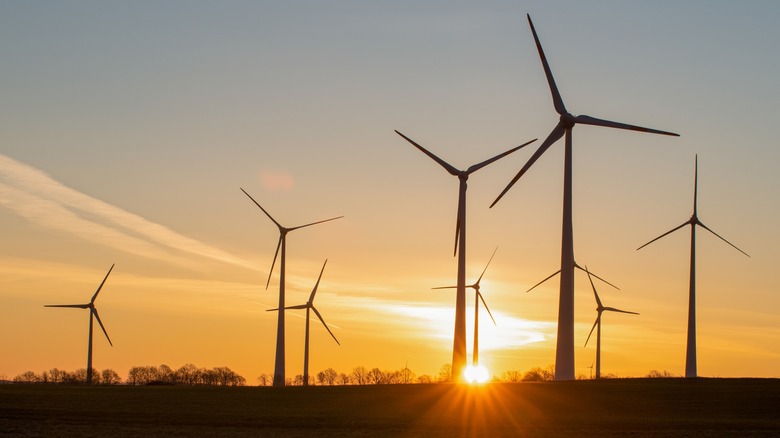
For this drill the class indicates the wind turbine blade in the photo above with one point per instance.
(316, 312)
(592, 328)
(316, 285)
(299, 306)
(101, 285)
(457, 236)
(74, 306)
(588, 120)
(261, 208)
(315, 223)
(666, 233)
(557, 100)
(721, 238)
(486, 307)
(696, 186)
(594, 275)
(273, 263)
(95, 312)
(446, 287)
(554, 136)
(486, 266)
(447, 166)
(549, 277)
(478, 166)
(596, 294)
(272, 310)
(612, 309)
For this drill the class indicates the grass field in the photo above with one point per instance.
(621, 407)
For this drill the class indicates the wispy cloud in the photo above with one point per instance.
(48, 203)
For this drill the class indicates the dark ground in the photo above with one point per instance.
(620, 407)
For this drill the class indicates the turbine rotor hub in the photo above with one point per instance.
(567, 120)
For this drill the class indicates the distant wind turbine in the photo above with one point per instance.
(599, 309)
(310, 306)
(564, 355)
(93, 314)
(279, 365)
(477, 297)
(690, 355)
(459, 338)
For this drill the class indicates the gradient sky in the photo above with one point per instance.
(126, 130)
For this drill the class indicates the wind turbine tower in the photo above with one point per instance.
(279, 363)
(690, 353)
(459, 337)
(93, 314)
(310, 306)
(564, 354)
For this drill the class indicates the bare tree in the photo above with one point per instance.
(360, 375)
(445, 373)
(165, 374)
(406, 376)
(328, 376)
(57, 376)
(27, 377)
(298, 380)
(343, 379)
(425, 378)
(109, 377)
(512, 376)
(537, 374)
(265, 379)
(376, 376)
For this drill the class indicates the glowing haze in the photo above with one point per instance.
(126, 131)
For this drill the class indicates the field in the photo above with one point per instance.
(621, 407)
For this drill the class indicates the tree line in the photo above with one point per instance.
(188, 374)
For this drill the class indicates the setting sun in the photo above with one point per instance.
(476, 374)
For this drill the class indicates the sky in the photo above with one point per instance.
(127, 129)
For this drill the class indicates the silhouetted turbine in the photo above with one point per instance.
(93, 313)
(310, 306)
(600, 309)
(564, 355)
(690, 354)
(477, 297)
(279, 365)
(459, 338)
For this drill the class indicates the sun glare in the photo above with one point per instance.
(476, 374)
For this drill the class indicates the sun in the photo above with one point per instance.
(476, 374)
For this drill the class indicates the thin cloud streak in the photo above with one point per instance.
(46, 202)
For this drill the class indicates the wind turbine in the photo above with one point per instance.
(600, 309)
(310, 306)
(690, 355)
(459, 338)
(279, 372)
(477, 297)
(93, 314)
(564, 355)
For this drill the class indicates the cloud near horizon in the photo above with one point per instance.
(37, 197)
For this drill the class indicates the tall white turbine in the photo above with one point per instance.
(691, 369)
(310, 306)
(477, 297)
(459, 338)
(564, 354)
(279, 364)
(599, 309)
(93, 314)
